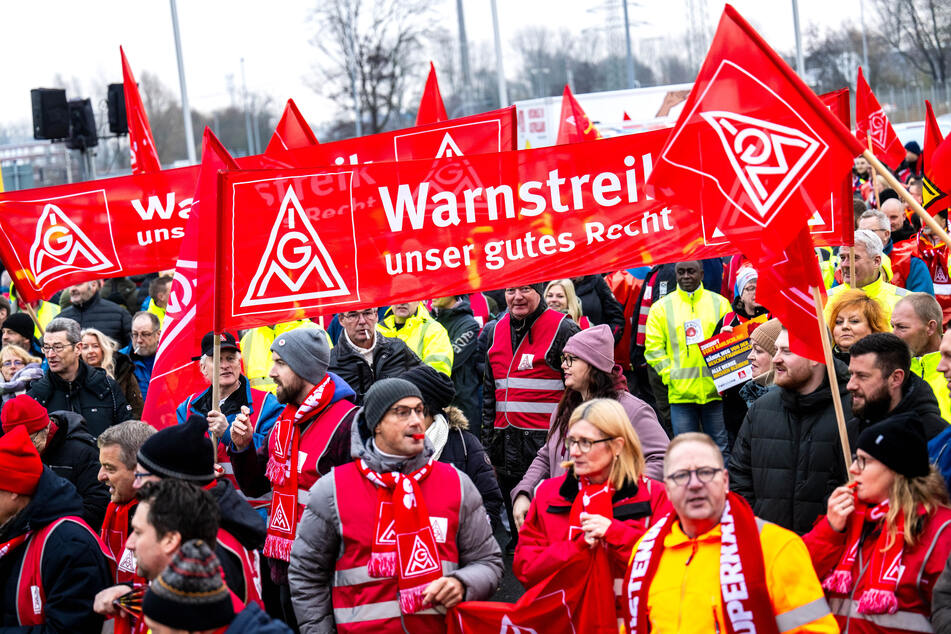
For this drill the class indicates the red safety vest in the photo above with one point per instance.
(250, 566)
(31, 594)
(365, 604)
(584, 323)
(480, 309)
(901, 260)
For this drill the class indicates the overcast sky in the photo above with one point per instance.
(81, 40)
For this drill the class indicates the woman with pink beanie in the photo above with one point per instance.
(590, 372)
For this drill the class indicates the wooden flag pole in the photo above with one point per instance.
(833, 379)
(878, 202)
(36, 318)
(215, 389)
(907, 197)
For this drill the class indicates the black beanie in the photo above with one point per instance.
(183, 452)
(899, 443)
(437, 388)
(20, 323)
(190, 594)
(381, 396)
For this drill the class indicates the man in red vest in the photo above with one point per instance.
(311, 437)
(394, 524)
(522, 383)
(51, 562)
(118, 446)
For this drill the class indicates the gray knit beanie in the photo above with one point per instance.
(306, 351)
(381, 396)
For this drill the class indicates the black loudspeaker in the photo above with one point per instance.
(82, 125)
(50, 113)
(117, 119)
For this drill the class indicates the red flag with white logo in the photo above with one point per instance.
(574, 125)
(144, 156)
(757, 153)
(431, 107)
(933, 136)
(188, 317)
(871, 122)
(292, 132)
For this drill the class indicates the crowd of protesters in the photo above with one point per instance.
(377, 473)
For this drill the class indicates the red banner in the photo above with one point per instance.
(872, 125)
(143, 154)
(52, 237)
(304, 242)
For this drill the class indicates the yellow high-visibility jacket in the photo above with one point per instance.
(887, 295)
(926, 366)
(256, 351)
(423, 335)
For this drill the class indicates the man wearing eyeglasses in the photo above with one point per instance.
(713, 566)
(70, 384)
(363, 355)
(146, 331)
(393, 524)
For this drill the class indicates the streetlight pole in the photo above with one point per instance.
(186, 110)
(631, 80)
(800, 64)
(247, 112)
(499, 71)
(464, 58)
(864, 37)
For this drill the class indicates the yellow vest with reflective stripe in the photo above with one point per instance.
(681, 366)
(156, 310)
(926, 366)
(828, 263)
(46, 313)
(423, 335)
(887, 295)
(256, 351)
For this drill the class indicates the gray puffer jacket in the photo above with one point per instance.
(318, 544)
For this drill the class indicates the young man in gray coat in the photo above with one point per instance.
(383, 544)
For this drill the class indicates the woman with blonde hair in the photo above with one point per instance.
(886, 537)
(102, 351)
(19, 369)
(604, 499)
(560, 295)
(853, 315)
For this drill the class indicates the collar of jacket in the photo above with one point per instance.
(569, 489)
(873, 289)
(677, 537)
(691, 298)
(88, 303)
(60, 383)
(421, 315)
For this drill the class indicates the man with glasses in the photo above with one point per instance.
(415, 530)
(363, 356)
(146, 331)
(70, 384)
(713, 564)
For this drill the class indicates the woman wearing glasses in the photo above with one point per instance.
(588, 366)
(887, 535)
(19, 369)
(604, 499)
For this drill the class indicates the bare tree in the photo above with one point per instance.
(920, 30)
(369, 49)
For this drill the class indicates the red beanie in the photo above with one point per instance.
(24, 410)
(20, 464)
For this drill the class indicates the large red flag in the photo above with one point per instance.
(431, 107)
(189, 315)
(574, 125)
(936, 186)
(871, 122)
(144, 156)
(758, 154)
(933, 136)
(292, 132)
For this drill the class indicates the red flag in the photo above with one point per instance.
(144, 156)
(757, 153)
(577, 598)
(574, 125)
(431, 107)
(188, 317)
(872, 122)
(292, 132)
(933, 136)
(936, 185)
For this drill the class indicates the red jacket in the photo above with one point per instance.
(921, 566)
(543, 544)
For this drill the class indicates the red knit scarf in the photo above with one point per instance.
(595, 499)
(115, 533)
(746, 603)
(10, 545)
(885, 569)
(403, 534)
(283, 469)
(934, 254)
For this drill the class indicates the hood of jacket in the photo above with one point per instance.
(54, 498)
(455, 418)
(462, 307)
(253, 619)
(237, 516)
(70, 425)
(819, 399)
(363, 448)
(919, 400)
(342, 389)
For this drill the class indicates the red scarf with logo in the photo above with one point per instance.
(283, 469)
(595, 499)
(746, 603)
(885, 566)
(934, 254)
(403, 534)
(115, 533)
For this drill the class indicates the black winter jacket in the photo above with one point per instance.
(788, 458)
(464, 451)
(72, 454)
(109, 317)
(93, 394)
(73, 567)
(599, 305)
(254, 620)
(463, 332)
(512, 450)
(244, 523)
(918, 399)
(391, 358)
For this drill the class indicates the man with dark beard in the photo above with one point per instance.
(882, 384)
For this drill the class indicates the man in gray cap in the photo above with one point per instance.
(416, 529)
(311, 437)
